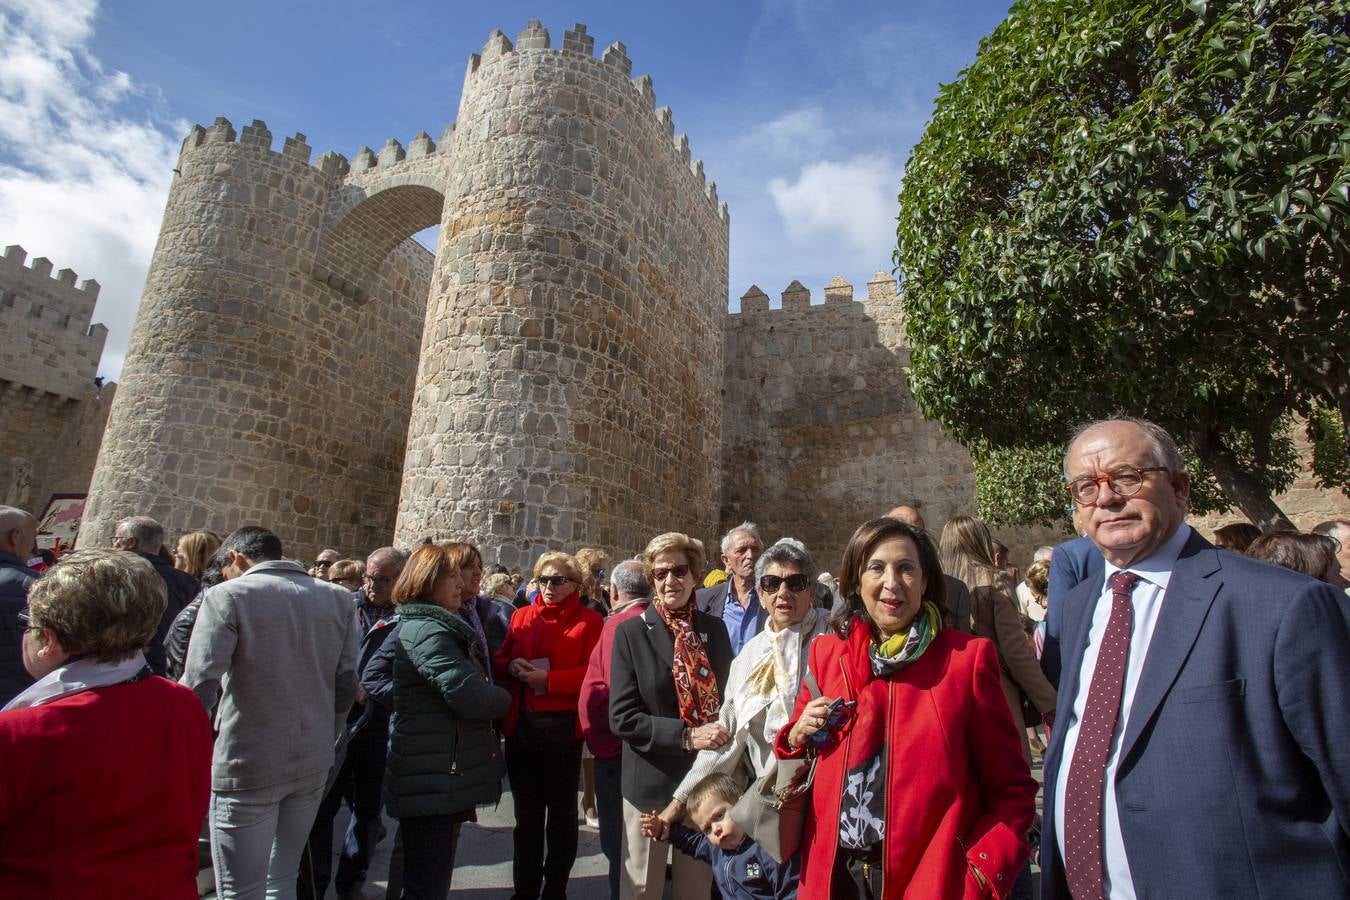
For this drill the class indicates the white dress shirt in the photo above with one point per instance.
(1147, 600)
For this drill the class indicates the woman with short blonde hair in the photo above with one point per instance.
(348, 573)
(97, 741)
(668, 675)
(543, 660)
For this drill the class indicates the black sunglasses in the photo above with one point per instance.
(26, 619)
(770, 584)
(553, 580)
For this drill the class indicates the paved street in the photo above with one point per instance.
(483, 861)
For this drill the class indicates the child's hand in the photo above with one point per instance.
(653, 826)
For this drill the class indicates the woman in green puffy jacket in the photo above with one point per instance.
(445, 758)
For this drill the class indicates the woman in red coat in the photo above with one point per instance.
(543, 662)
(920, 787)
(106, 768)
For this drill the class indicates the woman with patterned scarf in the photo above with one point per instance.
(767, 674)
(920, 788)
(668, 670)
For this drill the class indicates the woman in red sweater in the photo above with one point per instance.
(543, 661)
(920, 790)
(107, 768)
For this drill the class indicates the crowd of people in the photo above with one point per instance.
(1185, 697)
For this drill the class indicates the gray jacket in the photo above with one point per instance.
(279, 649)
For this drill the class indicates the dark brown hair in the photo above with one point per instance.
(1237, 536)
(866, 539)
(418, 579)
(1311, 554)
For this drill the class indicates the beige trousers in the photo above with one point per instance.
(644, 866)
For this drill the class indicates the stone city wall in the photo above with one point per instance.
(52, 414)
(1305, 502)
(50, 340)
(568, 389)
(260, 388)
(820, 432)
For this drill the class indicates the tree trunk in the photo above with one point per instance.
(1241, 486)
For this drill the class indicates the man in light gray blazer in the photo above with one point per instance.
(273, 654)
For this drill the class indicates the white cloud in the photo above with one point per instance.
(845, 208)
(85, 163)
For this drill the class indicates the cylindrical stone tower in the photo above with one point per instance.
(252, 393)
(568, 390)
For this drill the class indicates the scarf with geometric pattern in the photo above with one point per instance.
(695, 684)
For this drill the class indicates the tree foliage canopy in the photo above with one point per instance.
(1141, 208)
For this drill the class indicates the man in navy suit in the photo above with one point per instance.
(1202, 746)
(1074, 561)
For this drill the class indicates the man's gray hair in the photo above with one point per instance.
(746, 527)
(1045, 551)
(628, 578)
(1330, 527)
(1162, 448)
(148, 534)
(387, 555)
(787, 552)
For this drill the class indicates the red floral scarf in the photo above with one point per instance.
(695, 684)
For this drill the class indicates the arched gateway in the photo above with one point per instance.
(548, 378)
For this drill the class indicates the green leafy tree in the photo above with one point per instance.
(1140, 208)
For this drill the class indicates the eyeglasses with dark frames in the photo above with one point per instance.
(769, 584)
(554, 581)
(1124, 481)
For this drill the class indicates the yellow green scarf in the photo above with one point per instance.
(899, 650)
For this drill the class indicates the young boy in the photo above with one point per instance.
(741, 868)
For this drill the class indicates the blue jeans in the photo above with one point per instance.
(609, 806)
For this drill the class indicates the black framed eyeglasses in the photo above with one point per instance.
(1125, 481)
(25, 619)
(379, 579)
(769, 584)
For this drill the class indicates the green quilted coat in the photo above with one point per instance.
(444, 755)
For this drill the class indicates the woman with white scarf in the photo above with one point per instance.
(107, 767)
(766, 675)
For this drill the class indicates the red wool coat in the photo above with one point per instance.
(565, 634)
(103, 794)
(958, 792)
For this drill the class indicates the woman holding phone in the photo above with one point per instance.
(920, 787)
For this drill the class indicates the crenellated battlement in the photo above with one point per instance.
(881, 290)
(535, 39)
(50, 344)
(334, 166)
(41, 268)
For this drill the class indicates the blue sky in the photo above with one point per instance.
(803, 112)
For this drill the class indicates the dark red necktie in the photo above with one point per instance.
(1084, 793)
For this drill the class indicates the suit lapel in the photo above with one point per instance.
(658, 635)
(1190, 593)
